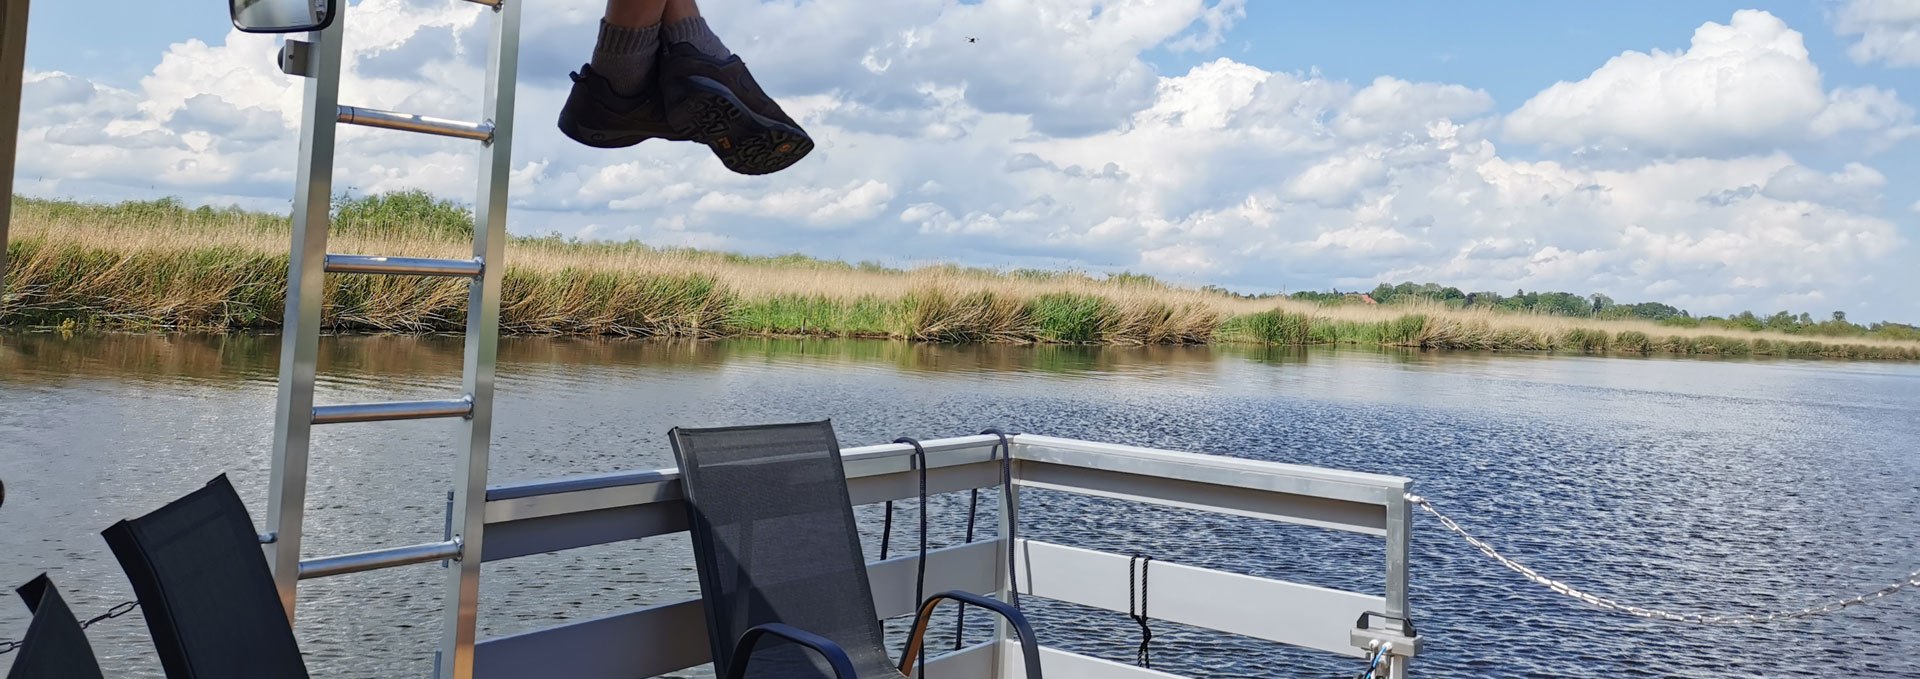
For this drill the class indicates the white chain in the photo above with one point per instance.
(1912, 580)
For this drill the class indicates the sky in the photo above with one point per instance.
(1718, 156)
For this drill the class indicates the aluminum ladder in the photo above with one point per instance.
(318, 58)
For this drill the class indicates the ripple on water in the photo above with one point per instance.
(1718, 486)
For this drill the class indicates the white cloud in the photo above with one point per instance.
(823, 206)
(1888, 30)
(1856, 186)
(1391, 105)
(1740, 87)
(1337, 180)
(1052, 143)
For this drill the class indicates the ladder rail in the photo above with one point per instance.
(309, 263)
(300, 338)
(468, 509)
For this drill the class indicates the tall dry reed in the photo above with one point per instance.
(145, 265)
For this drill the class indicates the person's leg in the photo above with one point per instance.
(679, 10)
(629, 43)
(681, 22)
(637, 13)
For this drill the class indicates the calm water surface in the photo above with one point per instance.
(1713, 486)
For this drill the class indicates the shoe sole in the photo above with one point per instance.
(596, 138)
(746, 142)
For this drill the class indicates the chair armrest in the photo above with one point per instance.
(1029, 648)
(743, 652)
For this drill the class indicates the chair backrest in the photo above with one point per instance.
(774, 540)
(55, 646)
(205, 589)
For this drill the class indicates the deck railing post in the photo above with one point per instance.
(1399, 549)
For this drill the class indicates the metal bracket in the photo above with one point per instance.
(296, 58)
(446, 530)
(1405, 639)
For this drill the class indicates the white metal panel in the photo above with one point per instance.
(595, 516)
(671, 637)
(976, 662)
(972, 662)
(1289, 613)
(1058, 664)
(1295, 479)
(964, 567)
(874, 473)
(1220, 499)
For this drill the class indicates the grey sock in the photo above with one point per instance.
(694, 31)
(625, 56)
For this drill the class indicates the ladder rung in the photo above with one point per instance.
(490, 3)
(403, 266)
(378, 559)
(396, 410)
(370, 117)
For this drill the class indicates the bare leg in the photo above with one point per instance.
(679, 10)
(641, 13)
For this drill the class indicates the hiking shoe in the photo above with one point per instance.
(716, 102)
(597, 116)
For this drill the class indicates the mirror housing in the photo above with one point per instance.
(281, 16)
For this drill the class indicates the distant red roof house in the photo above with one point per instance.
(1362, 298)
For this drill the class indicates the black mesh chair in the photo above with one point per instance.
(55, 646)
(782, 575)
(203, 583)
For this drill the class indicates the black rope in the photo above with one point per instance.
(1143, 656)
(920, 578)
(1013, 512)
(920, 462)
(886, 532)
(960, 617)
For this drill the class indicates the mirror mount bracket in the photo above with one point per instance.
(296, 58)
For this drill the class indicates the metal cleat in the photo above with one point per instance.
(1404, 641)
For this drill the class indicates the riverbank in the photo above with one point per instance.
(161, 267)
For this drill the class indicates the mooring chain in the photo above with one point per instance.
(118, 610)
(1911, 580)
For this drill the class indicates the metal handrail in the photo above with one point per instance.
(553, 515)
(376, 559)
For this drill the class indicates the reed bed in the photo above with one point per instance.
(169, 268)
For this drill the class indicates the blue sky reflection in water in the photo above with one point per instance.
(1722, 486)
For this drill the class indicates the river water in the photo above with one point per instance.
(1699, 485)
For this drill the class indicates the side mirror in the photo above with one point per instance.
(281, 16)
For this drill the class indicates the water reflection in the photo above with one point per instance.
(1706, 484)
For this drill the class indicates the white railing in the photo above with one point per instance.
(548, 516)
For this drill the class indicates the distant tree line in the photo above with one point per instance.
(1602, 307)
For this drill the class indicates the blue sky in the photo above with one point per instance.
(1722, 156)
